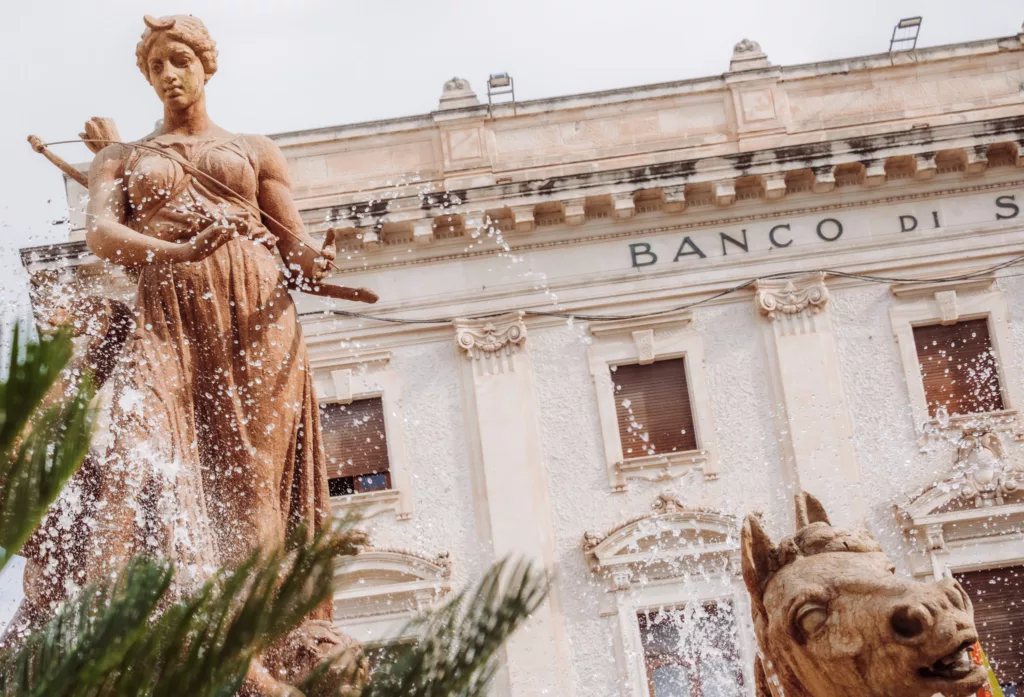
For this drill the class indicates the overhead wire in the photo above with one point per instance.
(187, 166)
(586, 317)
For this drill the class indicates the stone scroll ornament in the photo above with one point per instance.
(833, 620)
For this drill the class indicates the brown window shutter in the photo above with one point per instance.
(354, 438)
(958, 367)
(653, 401)
(998, 599)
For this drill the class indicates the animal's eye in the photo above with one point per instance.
(810, 618)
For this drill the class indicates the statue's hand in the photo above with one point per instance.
(212, 238)
(312, 266)
(322, 264)
(100, 132)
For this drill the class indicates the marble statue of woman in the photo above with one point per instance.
(214, 444)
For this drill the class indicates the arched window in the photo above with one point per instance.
(672, 578)
(380, 591)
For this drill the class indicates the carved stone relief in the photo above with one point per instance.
(792, 296)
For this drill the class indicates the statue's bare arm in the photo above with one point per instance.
(109, 238)
(275, 199)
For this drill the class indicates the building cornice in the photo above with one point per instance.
(519, 212)
(800, 71)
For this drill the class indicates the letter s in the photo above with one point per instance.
(1007, 202)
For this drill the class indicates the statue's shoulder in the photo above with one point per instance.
(260, 144)
(110, 160)
(267, 155)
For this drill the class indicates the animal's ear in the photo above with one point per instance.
(758, 554)
(809, 510)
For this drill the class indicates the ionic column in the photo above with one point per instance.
(813, 423)
(511, 489)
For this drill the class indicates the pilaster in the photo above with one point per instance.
(511, 489)
(812, 419)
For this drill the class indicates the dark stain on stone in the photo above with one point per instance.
(743, 161)
(802, 153)
(443, 199)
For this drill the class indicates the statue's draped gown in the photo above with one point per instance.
(214, 444)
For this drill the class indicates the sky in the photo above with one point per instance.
(300, 64)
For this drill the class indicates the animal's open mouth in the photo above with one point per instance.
(952, 666)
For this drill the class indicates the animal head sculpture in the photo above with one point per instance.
(833, 620)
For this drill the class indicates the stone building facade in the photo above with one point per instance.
(653, 310)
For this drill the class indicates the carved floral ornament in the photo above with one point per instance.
(483, 338)
(791, 296)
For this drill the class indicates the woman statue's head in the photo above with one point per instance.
(177, 55)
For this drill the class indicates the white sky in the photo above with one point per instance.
(306, 63)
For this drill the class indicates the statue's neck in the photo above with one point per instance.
(190, 121)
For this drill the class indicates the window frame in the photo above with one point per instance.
(629, 342)
(429, 582)
(706, 598)
(923, 304)
(345, 380)
(624, 597)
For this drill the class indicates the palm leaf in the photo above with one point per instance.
(456, 655)
(40, 447)
(121, 639)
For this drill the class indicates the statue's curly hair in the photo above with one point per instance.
(184, 28)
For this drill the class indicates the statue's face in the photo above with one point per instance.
(176, 73)
(845, 625)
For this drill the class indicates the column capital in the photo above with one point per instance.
(791, 296)
(490, 337)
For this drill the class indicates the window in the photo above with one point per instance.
(379, 654)
(954, 342)
(692, 651)
(671, 579)
(653, 408)
(356, 446)
(998, 599)
(653, 400)
(958, 367)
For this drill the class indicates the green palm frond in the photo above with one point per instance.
(117, 639)
(40, 446)
(456, 655)
(88, 640)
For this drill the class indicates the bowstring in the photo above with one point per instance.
(253, 208)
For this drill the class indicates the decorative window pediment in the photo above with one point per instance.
(380, 590)
(670, 542)
(979, 504)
